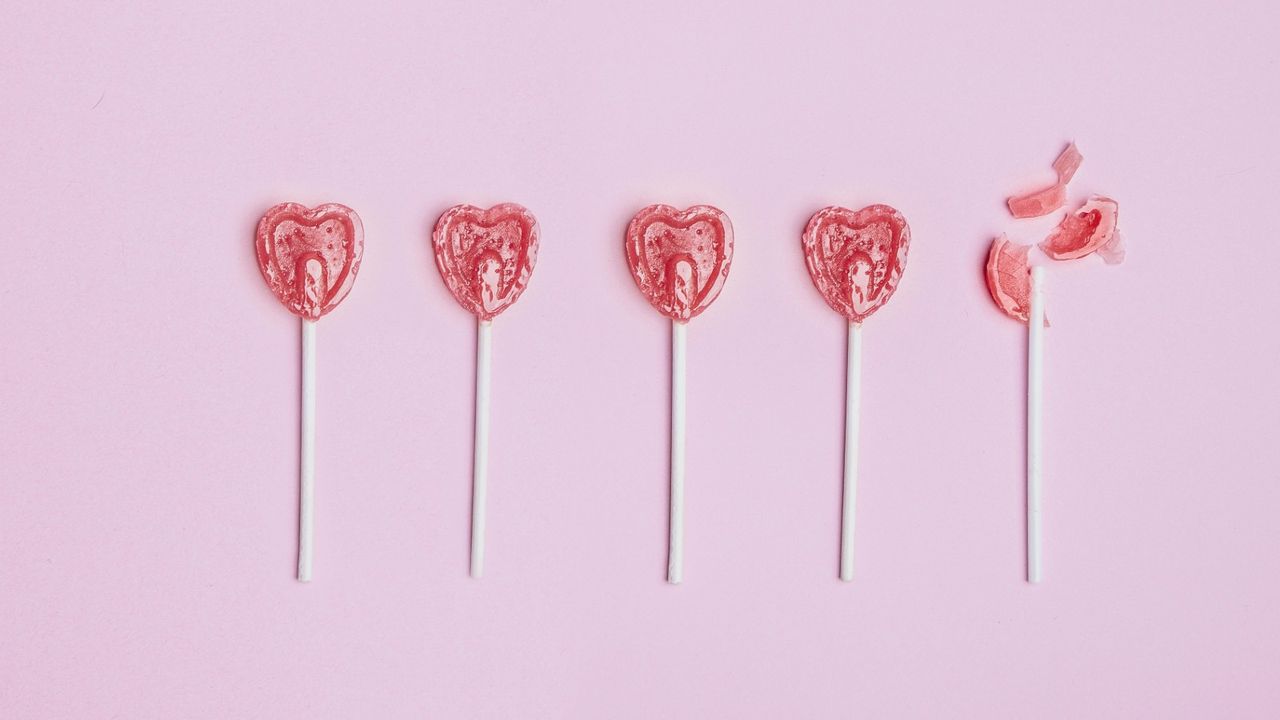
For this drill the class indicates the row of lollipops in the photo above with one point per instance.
(679, 260)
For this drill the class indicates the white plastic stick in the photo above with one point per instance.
(307, 463)
(1035, 386)
(675, 548)
(852, 420)
(480, 462)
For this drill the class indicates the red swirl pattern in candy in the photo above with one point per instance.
(680, 258)
(310, 256)
(856, 257)
(486, 256)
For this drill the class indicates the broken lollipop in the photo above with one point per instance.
(679, 259)
(855, 259)
(485, 258)
(1017, 289)
(309, 258)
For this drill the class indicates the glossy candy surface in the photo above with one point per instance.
(1086, 230)
(1044, 201)
(486, 256)
(1009, 277)
(680, 258)
(310, 256)
(856, 257)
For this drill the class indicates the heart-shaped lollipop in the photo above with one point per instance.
(856, 257)
(486, 256)
(680, 258)
(310, 256)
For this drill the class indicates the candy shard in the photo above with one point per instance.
(310, 256)
(856, 257)
(1009, 277)
(1084, 231)
(1038, 203)
(1112, 251)
(680, 258)
(1067, 163)
(1045, 200)
(486, 256)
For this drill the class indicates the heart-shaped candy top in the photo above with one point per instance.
(680, 258)
(486, 256)
(309, 257)
(856, 257)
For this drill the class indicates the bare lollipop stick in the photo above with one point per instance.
(307, 462)
(675, 547)
(1035, 390)
(480, 462)
(852, 421)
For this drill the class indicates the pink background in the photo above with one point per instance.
(149, 382)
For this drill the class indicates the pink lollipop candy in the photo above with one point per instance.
(679, 260)
(855, 258)
(485, 258)
(309, 258)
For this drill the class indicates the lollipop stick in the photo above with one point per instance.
(675, 549)
(1035, 387)
(852, 419)
(480, 463)
(307, 463)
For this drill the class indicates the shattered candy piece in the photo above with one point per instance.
(1044, 201)
(1084, 231)
(1112, 251)
(1009, 277)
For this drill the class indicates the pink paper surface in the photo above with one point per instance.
(149, 379)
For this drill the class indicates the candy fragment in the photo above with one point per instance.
(1067, 163)
(486, 256)
(310, 256)
(1009, 277)
(680, 258)
(856, 258)
(1084, 231)
(1112, 251)
(1046, 200)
